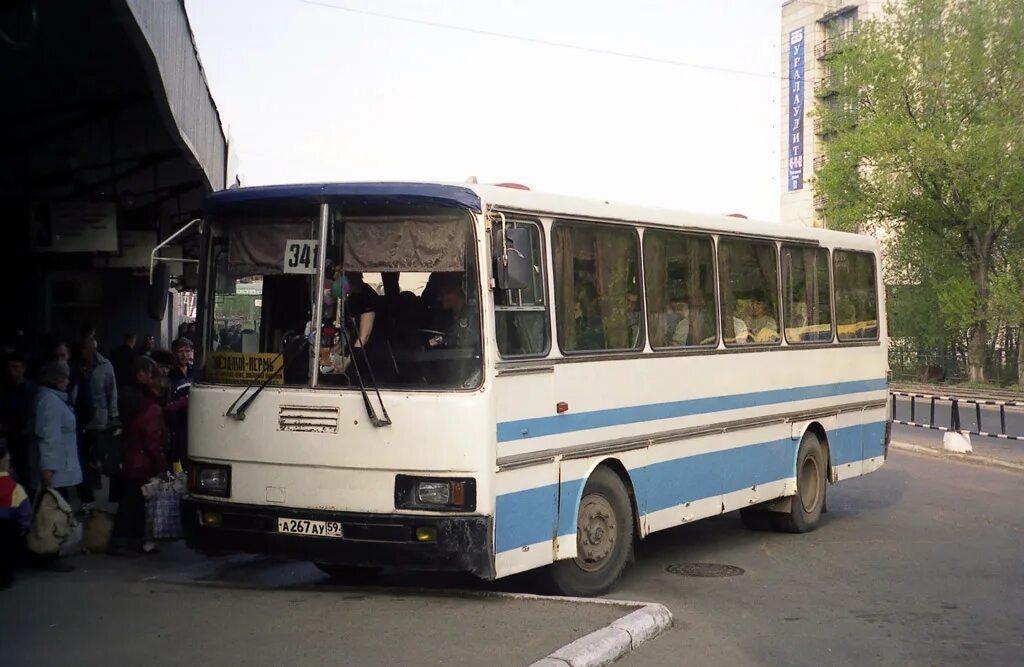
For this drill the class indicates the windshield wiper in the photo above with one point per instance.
(239, 412)
(374, 419)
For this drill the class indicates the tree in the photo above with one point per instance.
(925, 137)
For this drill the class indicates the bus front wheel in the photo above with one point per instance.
(809, 501)
(604, 538)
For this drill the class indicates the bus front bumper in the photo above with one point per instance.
(463, 543)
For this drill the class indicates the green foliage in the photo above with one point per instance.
(926, 137)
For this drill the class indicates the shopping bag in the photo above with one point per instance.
(54, 529)
(98, 528)
(163, 512)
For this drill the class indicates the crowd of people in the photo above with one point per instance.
(71, 416)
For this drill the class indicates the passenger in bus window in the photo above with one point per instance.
(589, 332)
(681, 331)
(761, 326)
(633, 318)
(360, 311)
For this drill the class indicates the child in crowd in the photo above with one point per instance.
(15, 518)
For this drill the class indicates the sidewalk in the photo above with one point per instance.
(998, 453)
(178, 608)
(958, 391)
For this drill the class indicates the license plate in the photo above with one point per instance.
(310, 528)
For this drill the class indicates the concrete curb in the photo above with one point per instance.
(605, 646)
(601, 647)
(976, 459)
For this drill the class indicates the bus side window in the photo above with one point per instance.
(748, 280)
(855, 295)
(521, 315)
(806, 294)
(680, 286)
(598, 300)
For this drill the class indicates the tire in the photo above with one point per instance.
(756, 519)
(809, 501)
(350, 574)
(604, 538)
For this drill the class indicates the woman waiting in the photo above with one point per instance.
(55, 445)
(145, 441)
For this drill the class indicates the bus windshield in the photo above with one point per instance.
(399, 301)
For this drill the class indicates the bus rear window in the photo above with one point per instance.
(856, 295)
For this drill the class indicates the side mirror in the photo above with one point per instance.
(159, 285)
(512, 261)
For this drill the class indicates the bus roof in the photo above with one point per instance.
(474, 197)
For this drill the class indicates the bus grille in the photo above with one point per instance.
(312, 418)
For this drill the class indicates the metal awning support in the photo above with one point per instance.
(154, 258)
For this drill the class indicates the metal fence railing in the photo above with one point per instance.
(954, 413)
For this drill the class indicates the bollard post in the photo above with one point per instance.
(1002, 419)
(977, 413)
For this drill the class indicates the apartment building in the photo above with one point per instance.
(812, 30)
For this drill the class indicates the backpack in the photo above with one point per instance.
(54, 529)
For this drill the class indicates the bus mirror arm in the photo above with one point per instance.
(512, 269)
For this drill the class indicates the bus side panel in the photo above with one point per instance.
(525, 517)
(873, 437)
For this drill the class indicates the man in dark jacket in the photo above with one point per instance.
(17, 395)
(123, 358)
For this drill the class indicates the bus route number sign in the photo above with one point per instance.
(301, 256)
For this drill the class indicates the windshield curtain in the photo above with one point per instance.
(400, 299)
(262, 267)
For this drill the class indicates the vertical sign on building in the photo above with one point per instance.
(796, 110)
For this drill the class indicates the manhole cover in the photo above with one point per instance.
(704, 570)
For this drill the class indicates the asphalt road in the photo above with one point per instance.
(1011, 450)
(179, 609)
(920, 563)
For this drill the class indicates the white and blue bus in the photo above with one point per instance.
(487, 379)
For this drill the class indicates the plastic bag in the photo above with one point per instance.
(163, 507)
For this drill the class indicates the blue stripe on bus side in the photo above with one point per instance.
(528, 517)
(536, 427)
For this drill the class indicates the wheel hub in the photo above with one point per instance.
(809, 484)
(595, 532)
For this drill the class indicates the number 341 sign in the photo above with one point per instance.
(301, 256)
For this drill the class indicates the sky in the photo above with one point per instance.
(311, 93)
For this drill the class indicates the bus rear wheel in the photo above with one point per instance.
(809, 501)
(604, 538)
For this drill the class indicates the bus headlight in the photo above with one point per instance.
(434, 493)
(208, 479)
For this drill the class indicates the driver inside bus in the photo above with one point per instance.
(463, 329)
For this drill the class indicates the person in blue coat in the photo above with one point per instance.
(55, 447)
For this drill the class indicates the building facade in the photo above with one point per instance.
(812, 30)
(111, 142)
